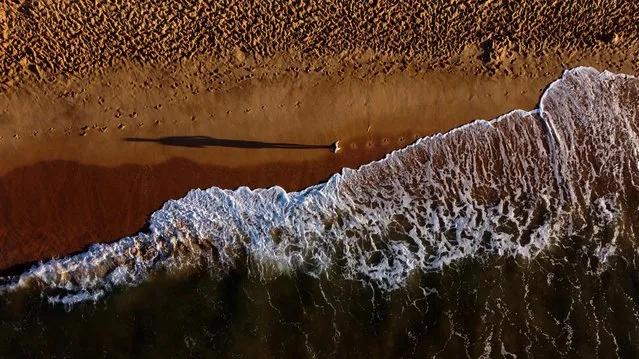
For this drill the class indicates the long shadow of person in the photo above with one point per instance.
(207, 141)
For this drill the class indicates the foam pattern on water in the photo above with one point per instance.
(513, 186)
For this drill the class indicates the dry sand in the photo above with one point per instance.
(107, 109)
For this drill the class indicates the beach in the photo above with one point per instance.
(318, 178)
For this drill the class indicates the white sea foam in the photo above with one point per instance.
(511, 186)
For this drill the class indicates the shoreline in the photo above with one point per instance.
(83, 182)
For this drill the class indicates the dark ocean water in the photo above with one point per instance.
(508, 238)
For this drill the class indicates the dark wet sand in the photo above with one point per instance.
(54, 208)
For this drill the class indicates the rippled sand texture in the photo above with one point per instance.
(81, 37)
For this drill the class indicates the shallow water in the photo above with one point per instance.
(514, 236)
(531, 309)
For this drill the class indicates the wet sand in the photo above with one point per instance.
(90, 123)
(54, 208)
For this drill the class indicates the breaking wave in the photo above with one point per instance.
(518, 186)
